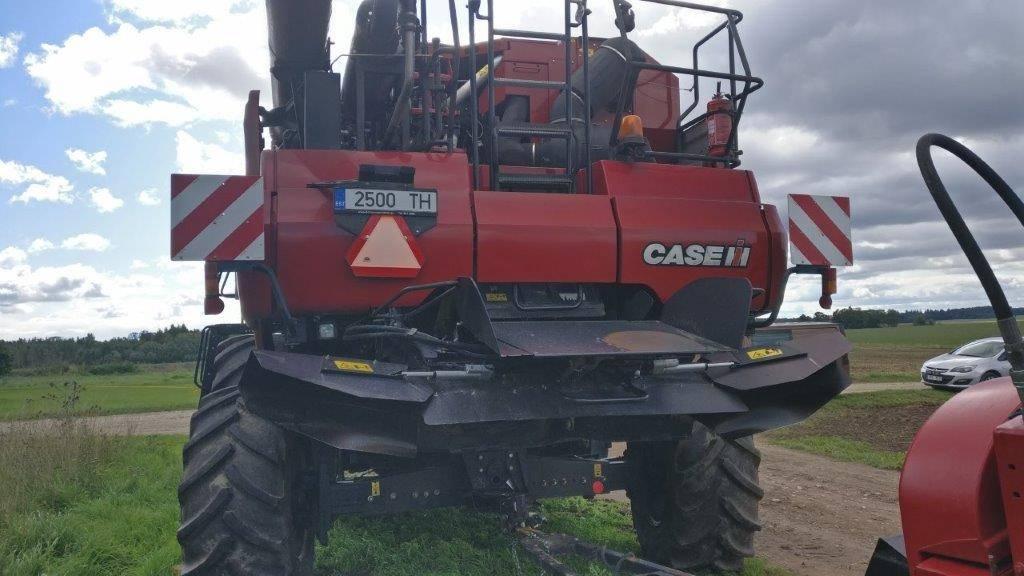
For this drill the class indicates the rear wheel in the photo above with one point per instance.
(695, 502)
(243, 509)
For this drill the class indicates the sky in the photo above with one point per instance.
(100, 100)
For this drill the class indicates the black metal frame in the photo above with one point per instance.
(739, 99)
(486, 478)
(807, 269)
(209, 339)
(572, 19)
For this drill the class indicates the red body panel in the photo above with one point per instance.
(310, 251)
(524, 237)
(1010, 460)
(516, 237)
(684, 205)
(950, 499)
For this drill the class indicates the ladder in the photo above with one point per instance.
(575, 16)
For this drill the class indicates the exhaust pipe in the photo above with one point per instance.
(297, 32)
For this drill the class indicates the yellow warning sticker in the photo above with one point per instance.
(762, 353)
(597, 470)
(497, 297)
(374, 488)
(353, 366)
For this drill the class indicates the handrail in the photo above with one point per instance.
(750, 83)
(1005, 319)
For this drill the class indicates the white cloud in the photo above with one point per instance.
(139, 265)
(87, 242)
(9, 48)
(159, 65)
(179, 11)
(88, 162)
(149, 197)
(12, 255)
(80, 298)
(42, 187)
(40, 245)
(9, 102)
(104, 201)
(198, 157)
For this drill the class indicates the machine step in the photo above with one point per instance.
(526, 129)
(536, 181)
(529, 34)
(522, 83)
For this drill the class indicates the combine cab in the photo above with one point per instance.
(465, 270)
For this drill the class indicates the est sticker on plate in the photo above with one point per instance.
(350, 366)
(762, 353)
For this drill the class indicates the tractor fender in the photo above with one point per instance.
(950, 501)
(307, 369)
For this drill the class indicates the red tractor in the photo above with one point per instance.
(465, 270)
(962, 484)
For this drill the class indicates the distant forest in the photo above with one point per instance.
(861, 318)
(171, 344)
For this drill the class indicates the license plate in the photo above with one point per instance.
(933, 378)
(366, 200)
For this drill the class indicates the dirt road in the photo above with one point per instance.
(821, 517)
(147, 424)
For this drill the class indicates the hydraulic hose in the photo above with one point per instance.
(1008, 326)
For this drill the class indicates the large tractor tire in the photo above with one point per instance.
(695, 501)
(242, 506)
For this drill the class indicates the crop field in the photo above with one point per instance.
(79, 504)
(896, 354)
(150, 389)
(874, 428)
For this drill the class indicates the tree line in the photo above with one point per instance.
(171, 344)
(861, 318)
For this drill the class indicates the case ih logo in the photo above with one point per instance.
(735, 256)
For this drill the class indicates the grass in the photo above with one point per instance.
(843, 449)
(873, 428)
(111, 509)
(896, 354)
(945, 335)
(151, 389)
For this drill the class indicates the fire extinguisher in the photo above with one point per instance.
(719, 122)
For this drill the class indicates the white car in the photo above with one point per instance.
(967, 365)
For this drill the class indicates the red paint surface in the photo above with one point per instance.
(950, 499)
(529, 237)
(310, 251)
(691, 205)
(1009, 441)
(516, 237)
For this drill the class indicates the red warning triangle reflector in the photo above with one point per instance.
(386, 248)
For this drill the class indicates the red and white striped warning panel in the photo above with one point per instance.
(819, 230)
(386, 248)
(216, 218)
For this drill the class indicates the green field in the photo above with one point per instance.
(152, 388)
(874, 428)
(945, 335)
(108, 506)
(896, 354)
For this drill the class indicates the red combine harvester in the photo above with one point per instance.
(962, 484)
(465, 270)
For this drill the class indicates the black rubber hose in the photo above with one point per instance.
(1004, 313)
